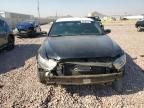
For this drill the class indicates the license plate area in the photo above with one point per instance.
(22, 31)
(86, 81)
(82, 68)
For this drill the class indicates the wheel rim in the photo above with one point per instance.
(10, 41)
(138, 29)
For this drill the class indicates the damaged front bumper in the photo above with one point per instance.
(25, 33)
(84, 79)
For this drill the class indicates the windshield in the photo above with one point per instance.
(75, 28)
(27, 22)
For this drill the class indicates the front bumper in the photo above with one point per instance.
(23, 33)
(84, 79)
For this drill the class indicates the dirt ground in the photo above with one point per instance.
(20, 88)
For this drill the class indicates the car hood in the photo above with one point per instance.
(24, 25)
(80, 47)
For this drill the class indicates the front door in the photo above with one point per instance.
(2, 33)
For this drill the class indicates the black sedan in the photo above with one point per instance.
(77, 51)
(140, 25)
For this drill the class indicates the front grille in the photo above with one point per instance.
(72, 69)
(77, 66)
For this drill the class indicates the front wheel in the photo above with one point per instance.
(11, 41)
(41, 77)
(38, 29)
(139, 29)
(117, 85)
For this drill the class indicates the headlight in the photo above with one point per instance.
(120, 62)
(49, 64)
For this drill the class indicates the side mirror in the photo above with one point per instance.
(107, 31)
(36, 25)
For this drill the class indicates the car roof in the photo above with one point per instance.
(1, 18)
(29, 21)
(73, 19)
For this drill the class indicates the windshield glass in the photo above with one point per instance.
(75, 28)
(28, 22)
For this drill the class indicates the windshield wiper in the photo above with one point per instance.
(57, 35)
(63, 35)
(90, 34)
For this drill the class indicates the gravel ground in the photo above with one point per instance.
(20, 88)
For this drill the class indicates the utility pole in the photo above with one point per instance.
(38, 9)
(56, 14)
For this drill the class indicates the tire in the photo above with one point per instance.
(38, 29)
(11, 41)
(41, 76)
(139, 29)
(117, 85)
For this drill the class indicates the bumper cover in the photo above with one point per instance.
(84, 79)
(26, 33)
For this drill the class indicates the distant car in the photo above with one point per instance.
(140, 25)
(28, 28)
(78, 51)
(97, 18)
(7, 38)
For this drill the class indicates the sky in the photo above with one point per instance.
(73, 7)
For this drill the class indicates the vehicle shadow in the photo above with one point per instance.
(16, 58)
(133, 82)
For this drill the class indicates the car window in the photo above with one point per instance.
(36, 24)
(7, 28)
(75, 28)
(2, 29)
